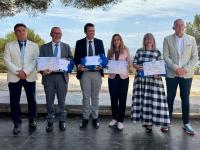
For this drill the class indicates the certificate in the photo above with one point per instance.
(92, 61)
(117, 67)
(44, 63)
(52, 63)
(154, 68)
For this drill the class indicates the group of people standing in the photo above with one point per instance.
(150, 105)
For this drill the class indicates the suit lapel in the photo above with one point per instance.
(185, 42)
(84, 47)
(17, 49)
(27, 48)
(175, 43)
(95, 46)
(50, 49)
(62, 49)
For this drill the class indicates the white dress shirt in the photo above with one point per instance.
(180, 46)
(59, 49)
(92, 43)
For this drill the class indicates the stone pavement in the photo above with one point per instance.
(133, 137)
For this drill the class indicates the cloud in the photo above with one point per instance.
(125, 9)
(131, 18)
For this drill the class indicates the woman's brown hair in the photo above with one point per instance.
(112, 49)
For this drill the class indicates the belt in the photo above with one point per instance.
(57, 73)
(92, 70)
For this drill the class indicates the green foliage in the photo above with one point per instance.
(33, 7)
(12, 7)
(2, 66)
(32, 36)
(35, 37)
(194, 30)
(90, 4)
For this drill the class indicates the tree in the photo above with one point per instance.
(12, 7)
(33, 7)
(194, 30)
(90, 4)
(32, 36)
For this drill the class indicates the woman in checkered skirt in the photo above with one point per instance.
(149, 104)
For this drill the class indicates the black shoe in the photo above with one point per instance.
(148, 128)
(17, 129)
(84, 124)
(32, 124)
(49, 126)
(62, 126)
(95, 123)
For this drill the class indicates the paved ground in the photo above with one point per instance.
(132, 138)
(74, 96)
(74, 100)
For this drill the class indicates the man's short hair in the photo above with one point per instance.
(19, 25)
(88, 25)
(177, 20)
(55, 28)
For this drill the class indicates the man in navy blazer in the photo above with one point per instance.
(81, 52)
(90, 80)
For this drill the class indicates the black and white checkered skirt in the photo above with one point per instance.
(149, 104)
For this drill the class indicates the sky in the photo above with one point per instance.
(130, 18)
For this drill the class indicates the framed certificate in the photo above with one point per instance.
(117, 67)
(154, 68)
(92, 60)
(52, 63)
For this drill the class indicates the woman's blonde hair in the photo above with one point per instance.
(122, 47)
(149, 35)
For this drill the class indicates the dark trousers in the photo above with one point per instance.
(55, 85)
(118, 89)
(15, 94)
(184, 86)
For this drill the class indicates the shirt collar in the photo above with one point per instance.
(90, 40)
(53, 43)
(24, 42)
(179, 38)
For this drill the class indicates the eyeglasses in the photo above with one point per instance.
(57, 33)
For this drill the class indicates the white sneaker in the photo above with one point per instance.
(120, 125)
(112, 123)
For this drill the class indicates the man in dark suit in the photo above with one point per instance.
(90, 80)
(55, 82)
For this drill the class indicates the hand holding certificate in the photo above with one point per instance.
(118, 67)
(63, 64)
(94, 62)
(154, 68)
(53, 64)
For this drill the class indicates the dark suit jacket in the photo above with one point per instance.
(46, 50)
(81, 52)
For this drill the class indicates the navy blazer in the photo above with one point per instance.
(81, 52)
